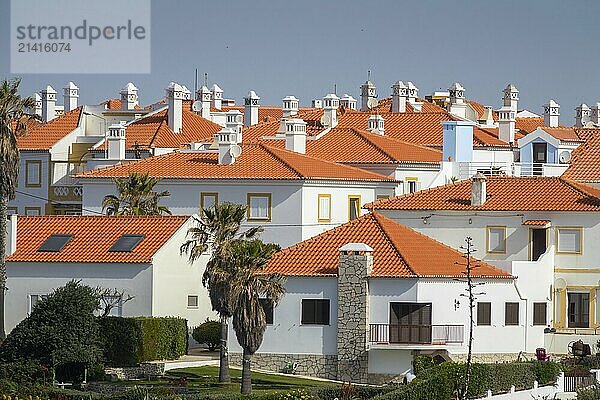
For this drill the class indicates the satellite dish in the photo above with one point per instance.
(560, 284)
(197, 106)
(564, 157)
(235, 151)
(325, 120)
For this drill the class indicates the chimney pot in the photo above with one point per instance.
(175, 94)
(582, 115)
(70, 96)
(295, 135)
(330, 105)
(48, 104)
(229, 151)
(506, 124)
(290, 106)
(551, 114)
(376, 124)
(251, 104)
(129, 97)
(368, 96)
(399, 97)
(116, 142)
(348, 102)
(217, 97)
(478, 190)
(511, 97)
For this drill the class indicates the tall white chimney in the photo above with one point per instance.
(582, 115)
(551, 114)
(70, 96)
(330, 105)
(413, 92)
(399, 97)
(234, 121)
(251, 108)
(316, 103)
(368, 96)
(295, 135)
(116, 142)
(348, 102)
(506, 124)
(48, 104)
(11, 234)
(290, 106)
(204, 95)
(511, 97)
(217, 97)
(228, 149)
(457, 100)
(376, 124)
(478, 190)
(37, 110)
(175, 93)
(129, 97)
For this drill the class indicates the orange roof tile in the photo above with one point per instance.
(257, 161)
(586, 133)
(385, 106)
(44, 136)
(480, 109)
(270, 126)
(528, 124)
(563, 133)
(503, 194)
(92, 237)
(585, 162)
(115, 104)
(536, 222)
(398, 252)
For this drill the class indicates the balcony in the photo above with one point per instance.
(411, 335)
(63, 193)
(466, 170)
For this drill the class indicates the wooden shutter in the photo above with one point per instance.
(511, 314)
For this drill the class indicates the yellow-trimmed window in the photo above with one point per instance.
(33, 173)
(259, 207)
(208, 200)
(569, 240)
(496, 239)
(324, 208)
(353, 207)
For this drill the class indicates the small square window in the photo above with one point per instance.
(33, 211)
(259, 207)
(484, 314)
(192, 301)
(496, 239)
(315, 312)
(324, 208)
(569, 240)
(208, 200)
(511, 314)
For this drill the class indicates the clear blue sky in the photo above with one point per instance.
(549, 49)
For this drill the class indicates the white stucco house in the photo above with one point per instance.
(138, 256)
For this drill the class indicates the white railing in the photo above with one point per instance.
(468, 169)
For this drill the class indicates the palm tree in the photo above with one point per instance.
(250, 283)
(13, 118)
(215, 229)
(136, 197)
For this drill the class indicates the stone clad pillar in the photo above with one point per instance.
(355, 265)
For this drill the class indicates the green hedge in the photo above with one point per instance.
(130, 341)
(589, 393)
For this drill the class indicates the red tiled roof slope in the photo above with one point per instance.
(585, 162)
(44, 136)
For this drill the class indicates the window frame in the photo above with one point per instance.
(483, 323)
(411, 179)
(380, 197)
(269, 316)
(506, 321)
(208, 194)
(314, 322)
(487, 239)
(29, 303)
(38, 209)
(15, 210)
(39, 166)
(350, 198)
(573, 228)
(545, 314)
(249, 218)
(319, 197)
(197, 301)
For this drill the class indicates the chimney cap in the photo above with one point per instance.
(399, 84)
(479, 177)
(71, 85)
(216, 88)
(331, 96)
(411, 85)
(37, 96)
(130, 87)
(552, 103)
(49, 89)
(252, 95)
(356, 247)
(291, 97)
(582, 106)
(456, 86)
(511, 88)
(346, 96)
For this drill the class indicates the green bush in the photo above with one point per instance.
(546, 373)
(24, 371)
(208, 333)
(422, 363)
(589, 393)
(356, 392)
(130, 341)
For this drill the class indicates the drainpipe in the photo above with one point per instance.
(526, 312)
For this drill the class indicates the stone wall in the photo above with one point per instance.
(142, 371)
(319, 366)
(491, 358)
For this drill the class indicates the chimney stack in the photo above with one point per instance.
(330, 105)
(70, 96)
(217, 97)
(251, 109)
(457, 139)
(348, 102)
(129, 97)
(175, 94)
(116, 142)
(413, 92)
(290, 106)
(317, 103)
(506, 124)
(229, 151)
(399, 97)
(582, 115)
(37, 110)
(457, 100)
(204, 95)
(478, 190)
(48, 104)
(368, 96)
(11, 234)
(511, 97)
(551, 114)
(376, 124)
(234, 121)
(295, 135)
(595, 118)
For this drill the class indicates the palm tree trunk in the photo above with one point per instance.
(3, 208)
(246, 374)
(223, 356)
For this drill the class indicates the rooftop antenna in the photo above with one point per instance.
(368, 74)
(335, 89)
(206, 79)
(196, 82)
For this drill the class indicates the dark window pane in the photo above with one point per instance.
(315, 311)
(484, 313)
(539, 313)
(55, 243)
(126, 243)
(267, 306)
(511, 314)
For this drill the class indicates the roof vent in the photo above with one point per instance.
(478, 190)
(376, 124)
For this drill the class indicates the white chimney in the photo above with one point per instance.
(228, 149)
(376, 124)
(37, 110)
(116, 142)
(582, 115)
(551, 114)
(506, 124)
(187, 94)
(368, 96)
(348, 102)
(48, 104)
(251, 109)
(595, 114)
(175, 93)
(234, 121)
(487, 119)
(399, 97)
(330, 105)
(204, 95)
(217, 97)
(70, 96)
(317, 103)
(413, 92)
(511, 97)
(290, 106)
(129, 97)
(11, 234)
(457, 100)
(478, 190)
(295, 135)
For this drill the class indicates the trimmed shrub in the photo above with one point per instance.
(24, 372)
(589, 393)
(208, 333)
(422, 363)
(121, 338)
(356, 392)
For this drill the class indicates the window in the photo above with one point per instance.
(33, 173)
(192, 301)
(12, 210)
(33, 211)
(34, 299)
(208, 200)
(578, 310)
(267, 306)
(511, 314)
(259, 207)
(353, 207)
(55, 243)
(315, 312)
(484, 314)
(496, 239)
(569, 240)
(411, 185)
(324, 208)
(539, 313)
(126, 243)
(382, 197)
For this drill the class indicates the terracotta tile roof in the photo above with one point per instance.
(270, 126)
(257, 161)
(44, 136)
(480, 109)
(563, 133)
(398, 252)
(92, 237)
(585, 162)
(536, 222)
(385, 106)
(265, 113)
(528, 124)
(586, 133)
(115, 104)
(503, 194)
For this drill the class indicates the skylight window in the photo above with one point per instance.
(55, 243)
(126, 243)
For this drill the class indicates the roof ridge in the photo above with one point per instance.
(280, 159)
(151, 142)
(376, 217)
(371, 143)
(578, 187)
